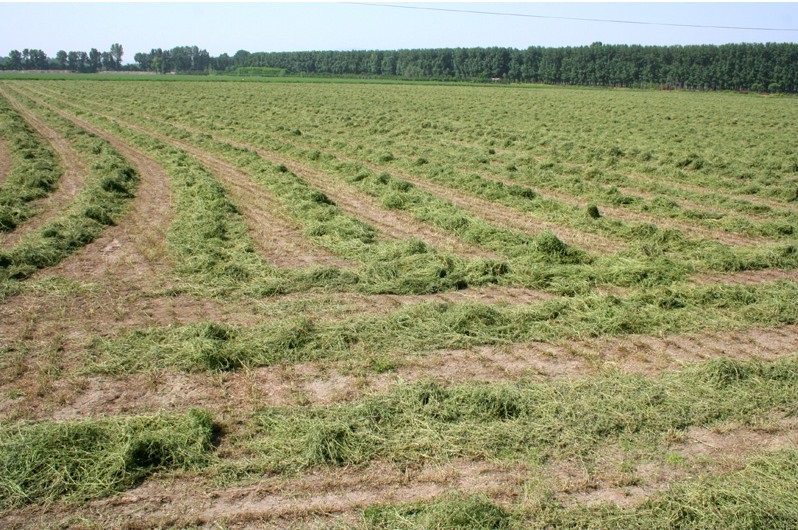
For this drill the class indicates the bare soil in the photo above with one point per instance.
(6, 162)
(745, 277)
(67, 187)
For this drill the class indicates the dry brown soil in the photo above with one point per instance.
(5, 160)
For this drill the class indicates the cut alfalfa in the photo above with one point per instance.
(330, 443)
(593, 211)
(451, 512)
(88, 459)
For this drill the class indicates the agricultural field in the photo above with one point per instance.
(381, 306)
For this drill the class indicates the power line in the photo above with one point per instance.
(524, 15)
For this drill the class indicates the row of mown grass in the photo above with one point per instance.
(529, 423)
(532, 422)
(387, 267)
(429, 326)
(34, 172)
(658, 256)
(394, 192)
(109, 186)
(762, 494)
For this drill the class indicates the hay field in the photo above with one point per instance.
(314, 305)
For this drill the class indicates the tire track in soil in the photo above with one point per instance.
(67, 186)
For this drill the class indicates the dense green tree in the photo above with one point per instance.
(61, 59)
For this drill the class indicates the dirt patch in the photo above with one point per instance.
(282, 501)
(6, 162)
(745, 277)
(701, 452)
(68, 185)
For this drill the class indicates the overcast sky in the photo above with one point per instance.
(228, 27)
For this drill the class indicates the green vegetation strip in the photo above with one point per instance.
(110, 185)
(762, 495)
(85, 459)
(423, 327)
(34, 172)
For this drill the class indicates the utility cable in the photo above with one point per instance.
(524, 15)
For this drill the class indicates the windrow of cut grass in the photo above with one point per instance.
(398, 267)
(762, 494)
(697, 254)
(110, 185)
(34, 170)
(682, 137)
(659, 256)
(437, 326)
(530, 423)
(80, 460)
(600, 185)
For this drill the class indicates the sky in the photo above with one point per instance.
(229, 27)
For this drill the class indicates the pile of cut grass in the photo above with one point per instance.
(86, 459)
(34, 172)
(449, 512)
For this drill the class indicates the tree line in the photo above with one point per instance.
(769, 67)
(759, 67)
(74, 61)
